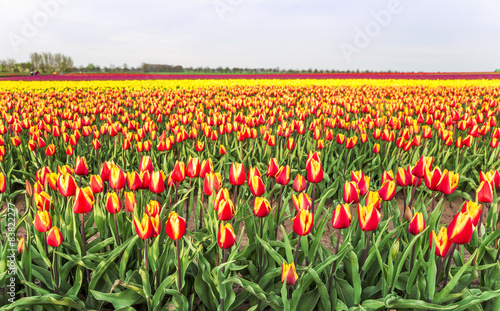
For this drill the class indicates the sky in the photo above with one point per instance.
(380, 35)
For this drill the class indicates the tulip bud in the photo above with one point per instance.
(395, 249)
(21, 246)
(43, 201)
(303, 222)
(226, 237)
(376, 148)
(289, 274)
(51, 150)
(341, 216)
(408, 214)
(54, 238)
(175, 226)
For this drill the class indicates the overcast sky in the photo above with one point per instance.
(404, 35)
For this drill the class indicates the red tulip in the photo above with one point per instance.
(351, 142)
(206, 167)
(175, 226)
(43, 201)
(223, 194)
(153, 208)
(341, 216)
(388, 190)
(419, 169)
(373, 198)
(288, 274)
(212, 183)
(54, 238)
(42, 222)
(272, 168)
(256, 186)
(66, 185)
(225, 210)
(179, 172)
(84, 200)
(362, 181)
(368, 217)
(237, 174)
(432, 178)
(143, 228)
(473, 209)
(261, 207)
(417, 224)
(81, 166)
(303, 222)
(3, 182)
(403, 177)
(226, 237)
(133, 181)
(315, 172)
(96, 184)
(290, 143)
(484, 192)
(303, 201)
(460, 229)
(492, 176)
(106, 170)
(146, 164)
(442, 243)
(193, 168)
(449, 182)
(283, 175)
(351, 192)
(376, 148)
(299, 183)
(51, 150)
(312, 156)
(113, 203)
(157, 184)
(130, 201)
(116, 178)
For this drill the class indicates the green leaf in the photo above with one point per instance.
(121, 299)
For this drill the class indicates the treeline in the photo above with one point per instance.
(47, 62)
(44, 62)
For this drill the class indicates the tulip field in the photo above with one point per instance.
(250, 194)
